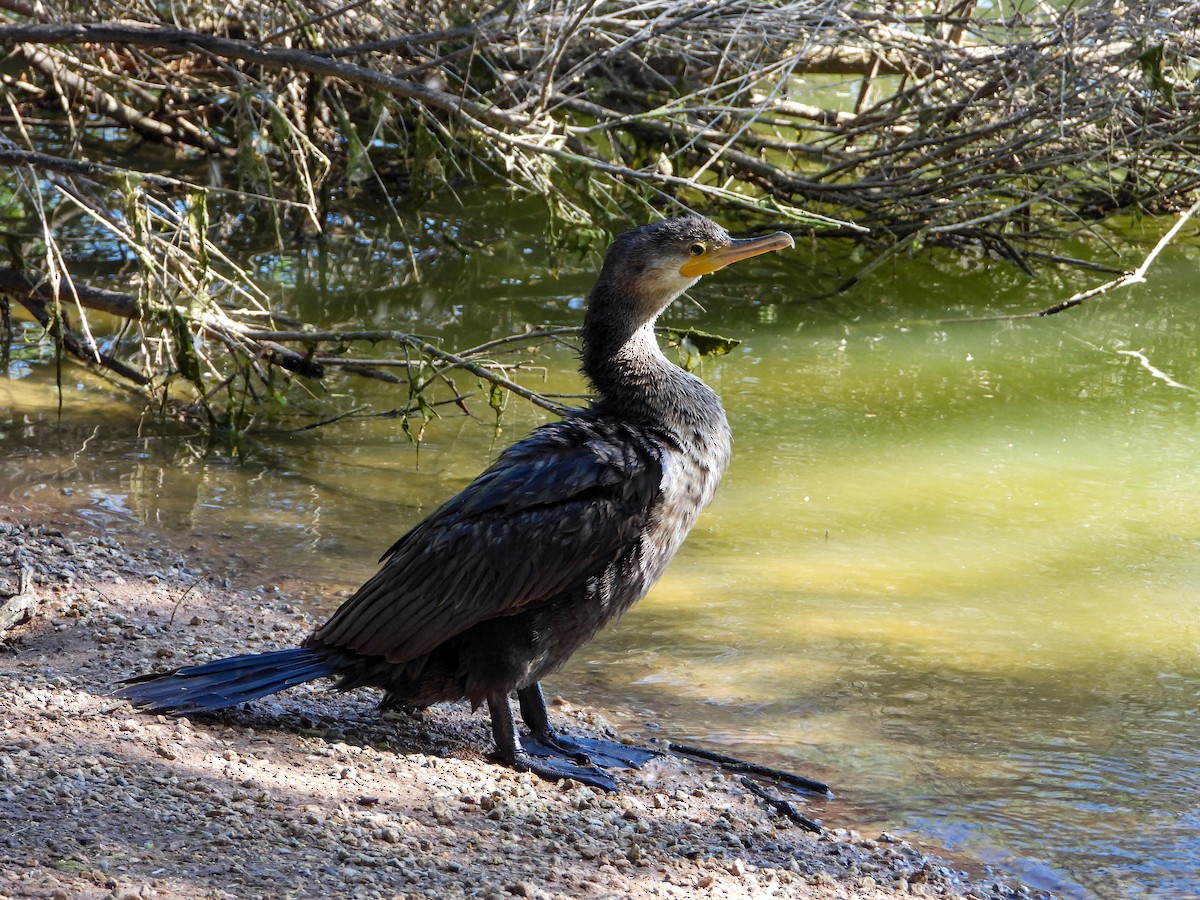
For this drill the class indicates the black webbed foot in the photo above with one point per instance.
(551, 754)
(554, 767)
(551, 759)
(545, 740)
(610, 754)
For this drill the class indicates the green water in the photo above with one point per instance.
(953, 568)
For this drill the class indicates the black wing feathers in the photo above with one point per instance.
(549, 514)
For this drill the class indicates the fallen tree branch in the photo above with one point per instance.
(1125, 279)
(1046, 104)
(257, 343)
(37, 299)
(781, 806)
(275, 58)
(17, 285)
(505, 126)
(10, 156)
(65, 74)
(46, 162)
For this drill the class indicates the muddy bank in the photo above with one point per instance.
(311, 794)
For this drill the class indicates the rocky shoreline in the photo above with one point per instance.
(311, 794)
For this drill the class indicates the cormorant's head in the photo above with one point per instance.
(654, 264)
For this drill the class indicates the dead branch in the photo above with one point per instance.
(780, 805)
(17, 285)
(39, 301)
(419, 344)
(980, 106)
(275, 58)
(1124, 279)
(11, 156)
(64, 73)
(267, 345)
(1137, 276)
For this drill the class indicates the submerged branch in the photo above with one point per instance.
(1125, 279)
(38, 300)
(18, 285)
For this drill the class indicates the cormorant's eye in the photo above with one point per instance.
(697, 249)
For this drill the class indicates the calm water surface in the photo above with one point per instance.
(954, 567)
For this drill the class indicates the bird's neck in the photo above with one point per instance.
(637, 383)
(626, 368)
(621, 356)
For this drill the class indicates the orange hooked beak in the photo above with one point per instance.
(710, 259)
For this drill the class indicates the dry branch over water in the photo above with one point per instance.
(1001, 128)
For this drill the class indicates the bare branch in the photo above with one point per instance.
(37, 301)
(1138, 276)
(417, 343)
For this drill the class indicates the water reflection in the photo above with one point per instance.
(953, 567)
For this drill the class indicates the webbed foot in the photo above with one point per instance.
(545, 740)
(553, 767)
(551, 759)
(610, 754)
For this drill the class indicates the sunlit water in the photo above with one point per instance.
(953, 568)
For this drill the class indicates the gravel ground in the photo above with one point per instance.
(311, 794)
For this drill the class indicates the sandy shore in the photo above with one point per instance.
(311, 794)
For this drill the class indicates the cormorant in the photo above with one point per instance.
(568, 528)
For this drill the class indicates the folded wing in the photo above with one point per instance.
(550, 514)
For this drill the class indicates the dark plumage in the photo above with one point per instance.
(562, 534)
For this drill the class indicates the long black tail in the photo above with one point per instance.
(226, 682)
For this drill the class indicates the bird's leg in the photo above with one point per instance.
(551, 766)
(544, 740)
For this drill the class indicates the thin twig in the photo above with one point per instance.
(416, 343)
(733, 764)
(191, 587)
(781, 806)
